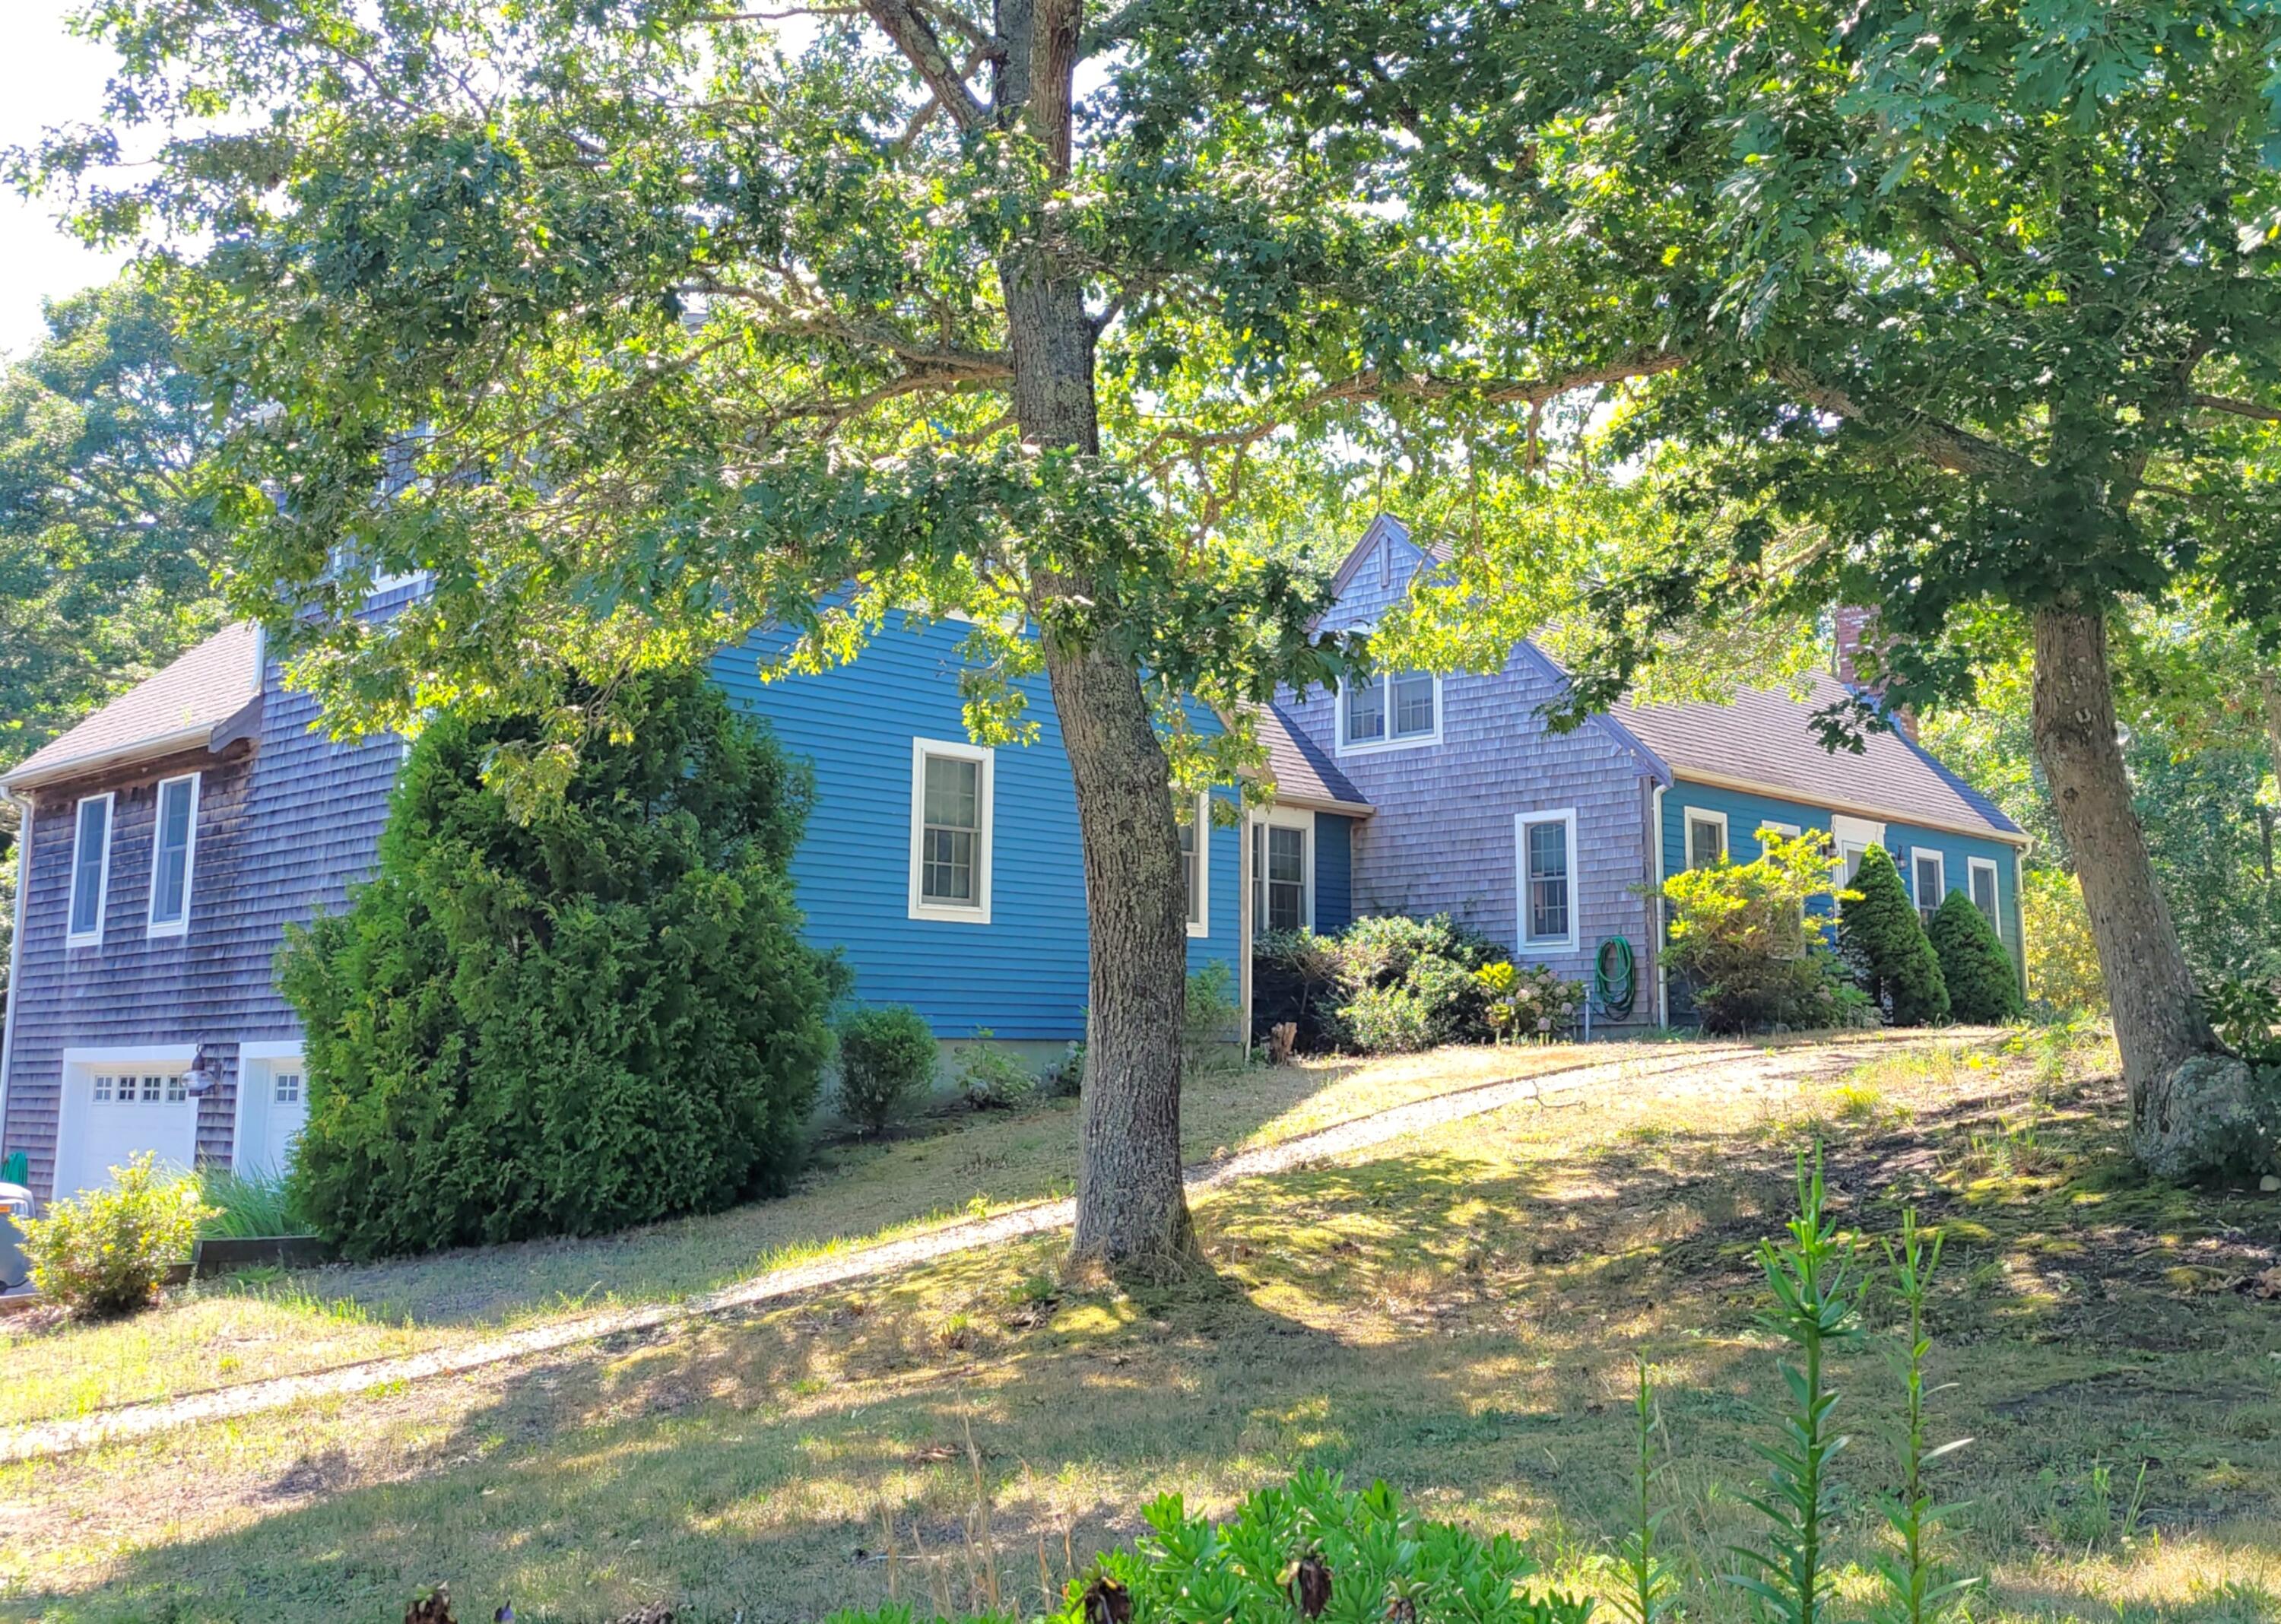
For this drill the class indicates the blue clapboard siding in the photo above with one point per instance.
(1023, 976)
(1746, 811)
(1333, 872)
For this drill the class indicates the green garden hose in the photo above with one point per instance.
(1615, 988)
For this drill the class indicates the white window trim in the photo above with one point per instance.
(1200, 927)
(1917, 855)
(1522, 822)
(1374, 746)
(1691, 815)
(1972, 866)
(154, 926)
(951, 913)
(90, 938)
(1283, 817)
(1787, 831)
(1846, 830)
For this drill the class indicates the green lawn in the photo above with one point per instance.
(1457, 1313)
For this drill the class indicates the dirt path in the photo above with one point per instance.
(1732, 1067)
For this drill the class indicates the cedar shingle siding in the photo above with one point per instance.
(285, 819)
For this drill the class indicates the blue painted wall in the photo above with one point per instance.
(1745, 811)
(1022, 975)
(1333, 872)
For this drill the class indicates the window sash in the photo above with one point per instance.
(950, 831)
(1983, 880)
(1413, 703)
(1366, 712)
(90, 863)
(1550, 896)
(1192, 851)
(170, 863)
(1706, 842)
(1929, 874)
(1283, 876)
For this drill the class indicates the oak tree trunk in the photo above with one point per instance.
(1132, 1212)
(2158, 1023)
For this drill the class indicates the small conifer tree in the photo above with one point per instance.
(1983, 985)
(594, 1015)
(1882, 938)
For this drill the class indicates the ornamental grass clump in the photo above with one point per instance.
(107, 1252)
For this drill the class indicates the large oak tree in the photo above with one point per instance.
(662, 320)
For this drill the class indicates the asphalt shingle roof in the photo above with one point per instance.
(1303, 771)
(1765, 736)
(201, 691)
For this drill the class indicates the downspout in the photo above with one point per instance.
(1243, 918)
(15, 953)
(2020, 911)
(1654, 913)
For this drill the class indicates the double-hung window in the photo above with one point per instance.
(1392, 710)
(173, 850)
(950, 831)
(1930, 872)
(1281, 897)
(1706, 838)
(1195, 865)
(1547, 876)
(1982, 874)
(90, 871)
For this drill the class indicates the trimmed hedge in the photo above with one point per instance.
(595, 1018)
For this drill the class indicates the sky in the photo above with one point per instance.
(47, 77)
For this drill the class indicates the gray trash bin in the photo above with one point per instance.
(14, 1275)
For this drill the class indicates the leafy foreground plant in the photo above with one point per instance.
(107, 1252)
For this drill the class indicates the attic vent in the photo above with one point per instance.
(1385, 562)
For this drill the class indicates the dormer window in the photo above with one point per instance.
(1392, 710)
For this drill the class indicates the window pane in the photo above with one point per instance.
(953, 791)
(1706, 842)
(289, 1088)
(1983, 893)
(1367, 711)
(1927, 882)
(946, 865)
(86, 867)
(171, 872)
(1285, 869)
(1413, 704)
(1548, 881)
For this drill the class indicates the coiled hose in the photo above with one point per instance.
(1615, 982)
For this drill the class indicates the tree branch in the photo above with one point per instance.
(2233, 406)
(913, 33)
(1942, 445)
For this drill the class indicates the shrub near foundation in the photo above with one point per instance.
(106, 1252)
(1885, 946)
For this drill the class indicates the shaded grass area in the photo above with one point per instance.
(1456, 1313)
(270, 1323)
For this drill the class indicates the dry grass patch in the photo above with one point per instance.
(1458, 1314)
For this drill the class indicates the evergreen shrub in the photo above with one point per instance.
(1752, 955)
(1983, 983)
(566, 1018)
(1885, 946)
(887, 1058)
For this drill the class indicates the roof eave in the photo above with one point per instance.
(209, 736)
(1324, 803)
(1727, 781)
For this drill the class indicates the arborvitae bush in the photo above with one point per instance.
(596, 1016)
(1983, 985)
(887, 1061)
(1886, 947)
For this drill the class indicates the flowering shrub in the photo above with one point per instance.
(1741, 935)
(1529, 1000)
(107, 1252)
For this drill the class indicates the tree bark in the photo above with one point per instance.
(2158, 1022)
(1131, 1209)
(2271, 685)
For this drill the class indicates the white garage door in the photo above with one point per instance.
(116, 1110)
(273, 1107)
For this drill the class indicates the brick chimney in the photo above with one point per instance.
(1857, 636)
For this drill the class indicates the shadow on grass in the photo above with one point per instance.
(1460, 1321)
